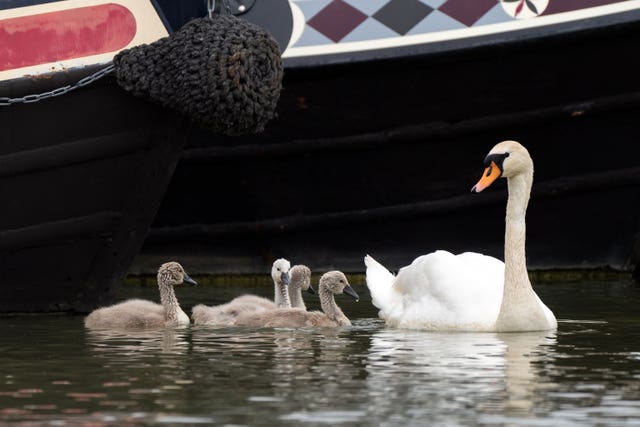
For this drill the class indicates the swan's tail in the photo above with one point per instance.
(380, 282)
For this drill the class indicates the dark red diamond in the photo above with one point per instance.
(467, 11)
(337, 20)
(559, 6)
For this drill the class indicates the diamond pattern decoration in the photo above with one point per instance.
(433, 3)
(402, 15)
(370, 29)
(494, 16)
(435, 22)
(337, 20)
(359, 20)
(368, 7)
(467, 11)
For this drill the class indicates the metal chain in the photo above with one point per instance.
(27, 99)
(224, 7)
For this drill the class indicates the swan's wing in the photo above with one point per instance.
(485, 285)
(255, 300)
(425, 286)
(202, 314)
(133, 313)
(225, 314)
(446, 291)
(141, 306)
(380, 282)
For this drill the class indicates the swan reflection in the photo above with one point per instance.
(482, 372)
(138, 343)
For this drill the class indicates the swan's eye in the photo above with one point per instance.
(278, 269)
(341, 281)
(495, 158)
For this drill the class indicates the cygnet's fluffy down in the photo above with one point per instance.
(300, 281)
(226, 314)
(141, 314)
(331, 283)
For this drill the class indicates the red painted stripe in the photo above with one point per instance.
(66, 34)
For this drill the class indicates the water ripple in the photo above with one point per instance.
(54, 372)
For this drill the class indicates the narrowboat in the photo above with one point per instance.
(97, 99)
(387, 110)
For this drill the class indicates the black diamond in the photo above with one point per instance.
(402, 15)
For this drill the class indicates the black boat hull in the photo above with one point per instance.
(378, 157)
(81, 178)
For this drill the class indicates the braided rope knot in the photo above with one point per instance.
(222, 72)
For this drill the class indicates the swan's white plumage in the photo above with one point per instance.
(471, 291)
(380, 282)
(439, 291)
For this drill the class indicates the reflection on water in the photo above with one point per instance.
(138, 342)
(53, 372)
(441, 372)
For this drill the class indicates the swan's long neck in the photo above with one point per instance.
(330, 308)
(295, 295)
(169, 302)
(281, 296)
(520, 308)
(515, 269)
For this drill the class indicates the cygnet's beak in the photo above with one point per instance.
(189, 280)
(349, 291)
(286, 279)
(311, 290)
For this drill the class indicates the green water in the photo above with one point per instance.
(55, 373)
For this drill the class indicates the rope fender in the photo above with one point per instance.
(222, 72)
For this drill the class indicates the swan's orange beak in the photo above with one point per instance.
(490, 174)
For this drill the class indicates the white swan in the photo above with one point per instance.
(225, 314)
(139, 314)
(470, 291)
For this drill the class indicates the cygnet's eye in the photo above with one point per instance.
(278, 269)
(341, 281)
